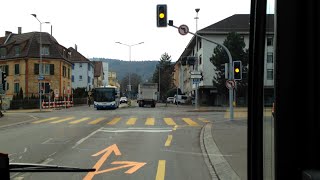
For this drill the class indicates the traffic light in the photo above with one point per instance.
(4, 80)
(237, 70)
(161, 15)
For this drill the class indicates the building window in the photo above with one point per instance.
(72, 66)
(269, 74)
(5, 68)
(200, 43)
(80, 65)
(269, 41)
(16, 87)
(45, 87)
(72, 78)
(80, 78)
(16, 69)
(17, 50)
(200, 59)
(3, 52)
(89, 67)
(89, 79)
(45, 50)
(64, 71)
(269, 57)
(68, 73)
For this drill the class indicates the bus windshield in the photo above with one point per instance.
(104, 95)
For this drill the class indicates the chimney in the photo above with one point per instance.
(7, 33)
(19, 30)
(76, 47)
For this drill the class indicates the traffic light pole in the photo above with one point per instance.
(230, 68)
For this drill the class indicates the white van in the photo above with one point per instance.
(182, 99)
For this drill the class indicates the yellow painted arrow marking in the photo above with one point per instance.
(134, 166)
(107, 152)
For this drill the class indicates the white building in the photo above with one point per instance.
(105, 73)
(218, 32)
(82, 70)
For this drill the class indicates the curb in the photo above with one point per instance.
(222, 168)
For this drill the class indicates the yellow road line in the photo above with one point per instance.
(175, 127)
(161, 170)
(131, 121)
(45, 120)
(79, 120)
(114, 121)
(97, 121)
(203, 120)
(150, 121)
(190, 122)
(62, 120)
(169, 121)
(168, 142)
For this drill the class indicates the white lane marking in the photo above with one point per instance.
(20, 157)
(25, 150)
(194, 153)
(11, 160)
(47, 161)
(138, 130)
(143, 128)
(45, 142)
(52, 154)
(85, 138)
(18, 178)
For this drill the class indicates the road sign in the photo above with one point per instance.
(195, 76)
(56, 93)
(183, 29)
(196, 81)
(230, 84)
(41, 78)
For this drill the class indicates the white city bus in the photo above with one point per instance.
(106, 97)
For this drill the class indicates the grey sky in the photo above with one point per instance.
(96, 25)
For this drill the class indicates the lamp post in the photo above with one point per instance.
(197, 65)
(129, 88)
(40, 65)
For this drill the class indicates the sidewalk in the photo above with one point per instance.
(26, 111)
(225, 143)
(12, 119)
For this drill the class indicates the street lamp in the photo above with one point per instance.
(40, 65)
(197, 66)
(129, 88)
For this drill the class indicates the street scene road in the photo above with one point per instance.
(126, 143)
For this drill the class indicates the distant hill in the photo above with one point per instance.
(143, 68)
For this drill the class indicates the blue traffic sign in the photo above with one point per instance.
(41, 78)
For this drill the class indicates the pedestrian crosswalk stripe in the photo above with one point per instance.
(62, 120)
(150, 121)
(169, 121)
(190, 122)
(203, 120)
(97, 120)
(131, 121)
(114, 121)
(79, 120)
(45, 120)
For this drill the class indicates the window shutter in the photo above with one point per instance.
(7, 69)
(36, 68)
(51, 69)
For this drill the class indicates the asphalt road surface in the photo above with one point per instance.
(127, 143)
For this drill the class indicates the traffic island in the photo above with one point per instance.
(218, 166)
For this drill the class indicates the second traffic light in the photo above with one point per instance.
(161, 15)
(237, 70)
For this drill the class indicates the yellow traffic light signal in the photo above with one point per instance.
(237, 73)
(161, 15)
